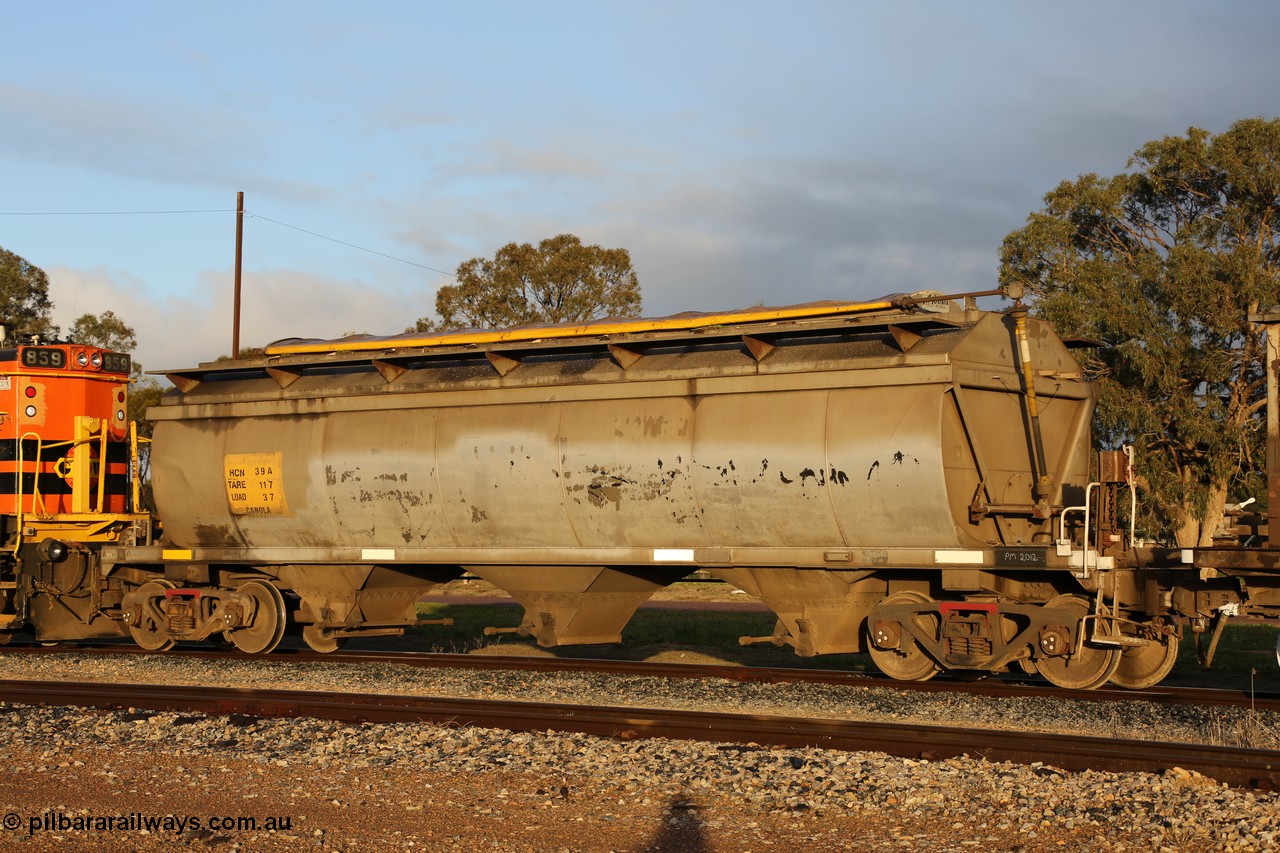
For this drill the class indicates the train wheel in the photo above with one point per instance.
(908, 662)
(1089, 668)
(321, 642)
(268, 622)
(1146, 665)
(150, 634)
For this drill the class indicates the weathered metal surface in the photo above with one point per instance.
(577, 604)
(837, 440)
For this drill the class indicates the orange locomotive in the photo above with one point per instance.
(67, 458)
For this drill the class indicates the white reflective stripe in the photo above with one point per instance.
(378, 554)
(967, 558)
(673, 555)
(1188, 556)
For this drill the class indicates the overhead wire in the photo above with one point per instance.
(222, 210)
(108, 212)
(345, 243)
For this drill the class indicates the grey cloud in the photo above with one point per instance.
(176, 144)
(812, 231)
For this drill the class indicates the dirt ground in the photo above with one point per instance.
(685, 591)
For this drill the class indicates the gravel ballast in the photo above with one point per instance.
(417, 786)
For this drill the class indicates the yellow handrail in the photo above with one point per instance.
(134, 473)
(103, 469)
(19, 513)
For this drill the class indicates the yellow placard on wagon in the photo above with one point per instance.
(255, 483)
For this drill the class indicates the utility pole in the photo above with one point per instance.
(235, 310)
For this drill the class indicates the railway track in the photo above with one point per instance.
(991, 687)
(1246, 768)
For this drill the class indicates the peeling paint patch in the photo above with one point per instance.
(478, 515)
(606, 488)
(406, 498)
(820, 476)
(600, 495)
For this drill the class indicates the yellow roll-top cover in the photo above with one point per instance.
(592, 329)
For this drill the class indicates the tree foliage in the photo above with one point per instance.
(558, 281)
(245, 354)
(105, 330)
(1164, 263)
(24, 295)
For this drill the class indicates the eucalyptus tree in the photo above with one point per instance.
(24, 295)
(1164, 264)
(558, 281)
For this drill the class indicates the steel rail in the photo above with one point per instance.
(991, 687)
(1245, 768)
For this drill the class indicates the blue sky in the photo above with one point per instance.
(743, 152)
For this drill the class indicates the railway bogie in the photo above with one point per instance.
(910, 478)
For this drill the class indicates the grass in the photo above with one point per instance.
(701, 636)
(1245, 658)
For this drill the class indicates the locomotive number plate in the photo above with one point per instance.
(255, 483)
(1020, 556)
